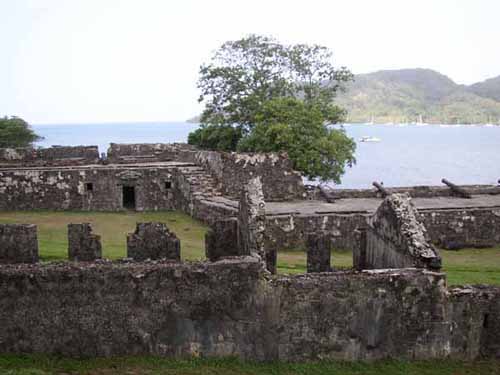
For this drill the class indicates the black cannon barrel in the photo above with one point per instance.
(457, 190)
(380, 188)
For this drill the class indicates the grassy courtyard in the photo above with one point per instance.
(467, 266)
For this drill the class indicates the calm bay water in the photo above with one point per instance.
(405, 155)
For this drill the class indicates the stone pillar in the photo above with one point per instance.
(18, 243)
(252, 219)
(153, 241)
(222, 240)
(359, 251)
(83, 245)
(318, 253)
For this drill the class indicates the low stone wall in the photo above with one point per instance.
(234, 308)
(455, 229)
(449, 229)
(289, 231)
(314, 192)
(119, 153)
(233, 170)
(53, 156)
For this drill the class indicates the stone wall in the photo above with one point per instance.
(81, 188)
(18, 243)
(233, 308)
(53, 156)
(314, 192)
(119, 153)
(461, 228)
(233, 170)
(450, 229)
(289, 231)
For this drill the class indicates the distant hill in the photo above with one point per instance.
(409, 95)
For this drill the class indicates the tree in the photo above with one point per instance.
(15, 132)
(297, 127)
(246, 75)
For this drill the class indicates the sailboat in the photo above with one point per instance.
(420, 121)
(371, 121)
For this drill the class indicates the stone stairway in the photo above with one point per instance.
(203, 198)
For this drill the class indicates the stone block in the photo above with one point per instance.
(318, 253)
(222, 240)
(153, 241)
(396, 239)
(83, 245)
(18, 243)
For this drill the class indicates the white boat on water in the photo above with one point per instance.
(367, 138)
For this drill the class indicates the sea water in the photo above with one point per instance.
(405, 155)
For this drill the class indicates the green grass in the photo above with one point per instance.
(45, 365)
(467, 266)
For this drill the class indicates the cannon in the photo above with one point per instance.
(381, 189)
(456, 190)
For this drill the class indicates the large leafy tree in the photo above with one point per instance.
(15, 132)
(297, 127)
(248, 77)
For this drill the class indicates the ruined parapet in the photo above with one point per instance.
(83, 245)
(222, 240)
(252, 219)
(153, 241)
(318, 253)
(395, 238)
(119, 153)
(18, 243)
(52, 156)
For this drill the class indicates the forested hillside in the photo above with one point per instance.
(414, 95)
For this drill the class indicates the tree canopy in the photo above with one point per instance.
(255, 88)
(15, 132)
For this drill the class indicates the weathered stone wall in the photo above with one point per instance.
(233, 308)
(394, 238)
(314, 192)
(81, 188)
(289, 231)
(452, 228)
(119, 153)
(83, 245)
(18, 243)
(53, 156)
(153, 241)
(233, 170)
(455, 229)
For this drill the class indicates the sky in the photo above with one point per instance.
(80, 61)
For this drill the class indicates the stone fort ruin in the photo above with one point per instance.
(394, 303)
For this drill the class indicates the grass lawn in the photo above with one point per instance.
(43, 365)
(467, 266)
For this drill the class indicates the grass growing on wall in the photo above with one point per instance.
(466, 266)
(45, 365)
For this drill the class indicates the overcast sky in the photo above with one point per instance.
(137, 60)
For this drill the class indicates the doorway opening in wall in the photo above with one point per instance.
(129, 197)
